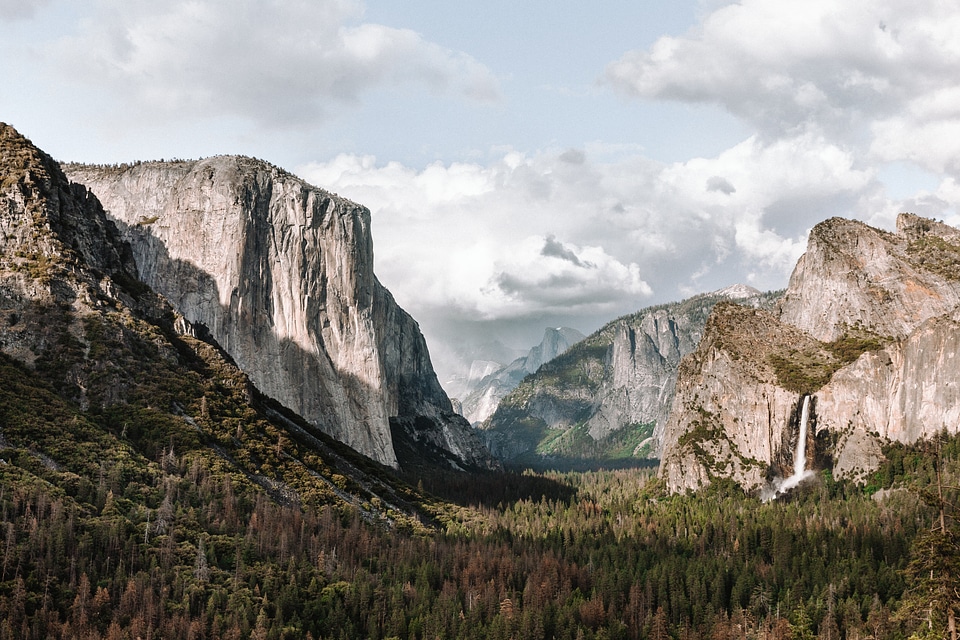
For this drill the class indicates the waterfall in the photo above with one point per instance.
(800, 455)
(800, 471)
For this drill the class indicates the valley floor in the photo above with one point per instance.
(601, 554)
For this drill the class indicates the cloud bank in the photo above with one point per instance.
(849, 109)
(876, 75)
(834, 94)
(543, 240)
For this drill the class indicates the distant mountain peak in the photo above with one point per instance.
(737, 292)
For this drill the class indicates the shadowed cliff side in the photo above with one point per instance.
(100, 377)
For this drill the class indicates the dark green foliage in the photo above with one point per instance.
(802, 373)
(853, 344)
(804, 370)
(577, 367)
(601, 554)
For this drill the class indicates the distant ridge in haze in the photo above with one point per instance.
(609, 395)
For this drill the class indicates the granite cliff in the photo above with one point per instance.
(280, 274)
(868, 328)
(610, 394)
(101, 378)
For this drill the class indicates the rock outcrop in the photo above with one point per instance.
(868, 326)
(281, 275)
(610, 394)
(855, 275)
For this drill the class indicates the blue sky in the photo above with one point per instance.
(527, 164)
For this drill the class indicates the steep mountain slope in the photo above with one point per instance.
(100, 377)
(867, 328)
(281, 274)
(609, 395)
(496, 381)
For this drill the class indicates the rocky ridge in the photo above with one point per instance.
(867, 328)
(100, 376)
(281, 275)
(609, 395)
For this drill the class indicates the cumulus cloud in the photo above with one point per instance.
(539, 240)
(881, 70)
(280, 62)
(562, 278)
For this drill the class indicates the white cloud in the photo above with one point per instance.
(561, 237)
(881, 70)
(275, 63)
(559, 232)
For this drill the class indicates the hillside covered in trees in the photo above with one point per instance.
(149, 490)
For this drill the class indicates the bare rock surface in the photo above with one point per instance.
(609, 389)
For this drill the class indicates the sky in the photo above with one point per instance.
(527, 164)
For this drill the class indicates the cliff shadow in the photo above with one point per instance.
(565, 464)
(489, 489)
(333, 402)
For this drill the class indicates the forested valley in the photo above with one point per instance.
(184, 552)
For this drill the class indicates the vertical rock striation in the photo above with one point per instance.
(281, 274)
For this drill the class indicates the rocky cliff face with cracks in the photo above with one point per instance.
(868, 326)
(281, 275)
(101, 378)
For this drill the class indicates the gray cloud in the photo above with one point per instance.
(11, 10)
(555, 249)
(716, 183)
(573, 156)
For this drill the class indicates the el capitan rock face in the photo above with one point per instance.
(281, 274)
(869, 327)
